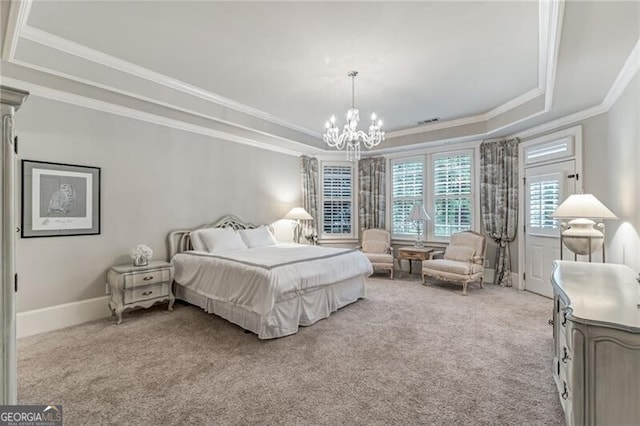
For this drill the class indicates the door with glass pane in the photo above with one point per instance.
(546, 187)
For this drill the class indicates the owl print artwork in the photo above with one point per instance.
(62, 201)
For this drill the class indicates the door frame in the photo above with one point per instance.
(575, 134)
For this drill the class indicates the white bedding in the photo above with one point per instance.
(255, 279)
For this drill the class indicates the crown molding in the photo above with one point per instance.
(72, 48)
(629, 69)
(110, 108)
(550, 32)
(69, 47)
(18, 14)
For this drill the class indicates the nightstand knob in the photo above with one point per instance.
(146, 293)
(150, 277)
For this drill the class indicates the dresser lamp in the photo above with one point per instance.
(418, 214)
(582, 235)
(298, 214)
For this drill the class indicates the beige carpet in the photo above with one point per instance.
(407, 354)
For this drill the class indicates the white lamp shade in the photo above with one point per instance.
(418, 213)
(583, 206)
(298, 213)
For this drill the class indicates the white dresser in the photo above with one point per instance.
(596, 330)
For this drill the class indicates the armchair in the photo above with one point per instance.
(376, 245)
(463, 260)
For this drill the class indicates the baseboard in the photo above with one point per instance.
(55, 317)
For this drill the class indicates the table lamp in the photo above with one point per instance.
(418, 214)
(298, 214)
(581, 234)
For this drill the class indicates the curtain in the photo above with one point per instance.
(499, 201)
(372, 192)
(309, 172)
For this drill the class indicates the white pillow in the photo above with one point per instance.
(196, 241)
(259, 237)
(217, 240)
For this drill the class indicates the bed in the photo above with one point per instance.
(270, 290)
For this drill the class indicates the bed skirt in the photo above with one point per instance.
(287, 315)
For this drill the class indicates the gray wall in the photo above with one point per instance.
(617, 152)
(154, 180)
(611, 157)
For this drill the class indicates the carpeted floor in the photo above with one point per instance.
(407, 354)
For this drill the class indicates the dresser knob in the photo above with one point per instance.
(565, 394)
(550, 322)
(565, 356)
(147, 278)
(146, 293)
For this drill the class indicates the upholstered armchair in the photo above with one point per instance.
(376, 245)
(463, 260)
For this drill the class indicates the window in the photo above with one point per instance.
(452, 193)
(337, 199)
(544, 199)
(407, 179)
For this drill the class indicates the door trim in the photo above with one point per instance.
(574, 133)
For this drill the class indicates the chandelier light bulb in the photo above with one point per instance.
(373, 117)
(333, 119)
(379, 123)
(327, 125)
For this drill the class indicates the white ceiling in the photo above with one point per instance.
(285, 63)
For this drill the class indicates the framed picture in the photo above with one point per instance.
(59, 199)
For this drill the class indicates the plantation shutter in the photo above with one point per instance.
(337, 184)
(407, 190)
(452, 175)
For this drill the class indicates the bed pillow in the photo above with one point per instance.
(259, 237)
(196, 241)
(217, 240)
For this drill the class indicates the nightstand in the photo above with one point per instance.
(140, 286)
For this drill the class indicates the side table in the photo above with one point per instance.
(413, 253)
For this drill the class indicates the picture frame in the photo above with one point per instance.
(59, 200)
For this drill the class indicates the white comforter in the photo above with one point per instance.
(257, 278)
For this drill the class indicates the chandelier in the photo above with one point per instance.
(351, 137)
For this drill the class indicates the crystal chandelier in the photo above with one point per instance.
(351, 137)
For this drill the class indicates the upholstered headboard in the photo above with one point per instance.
(180, 240)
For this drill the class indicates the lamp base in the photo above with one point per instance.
(583, 237)
(418, 244)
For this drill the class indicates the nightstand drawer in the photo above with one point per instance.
(145, 293)
(146, 278)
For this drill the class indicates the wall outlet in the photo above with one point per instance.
(107, 290)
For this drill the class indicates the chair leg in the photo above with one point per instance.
(391, 273)
(481, 283)
(464, 288)
(424, 281)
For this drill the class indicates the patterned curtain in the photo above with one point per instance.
(499, 201)
(372, 192)
(309, 172)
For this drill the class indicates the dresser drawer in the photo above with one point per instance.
(140, 294)
(146, 278)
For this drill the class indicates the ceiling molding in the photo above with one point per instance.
(304, 147)
(18, 14)
(629, 69)
(72, 48)
(67, 46)
(110, 108)
(551, 49)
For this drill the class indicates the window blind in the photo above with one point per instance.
(544, 198)
(407, 189)
(337, 190)
(452, 183)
